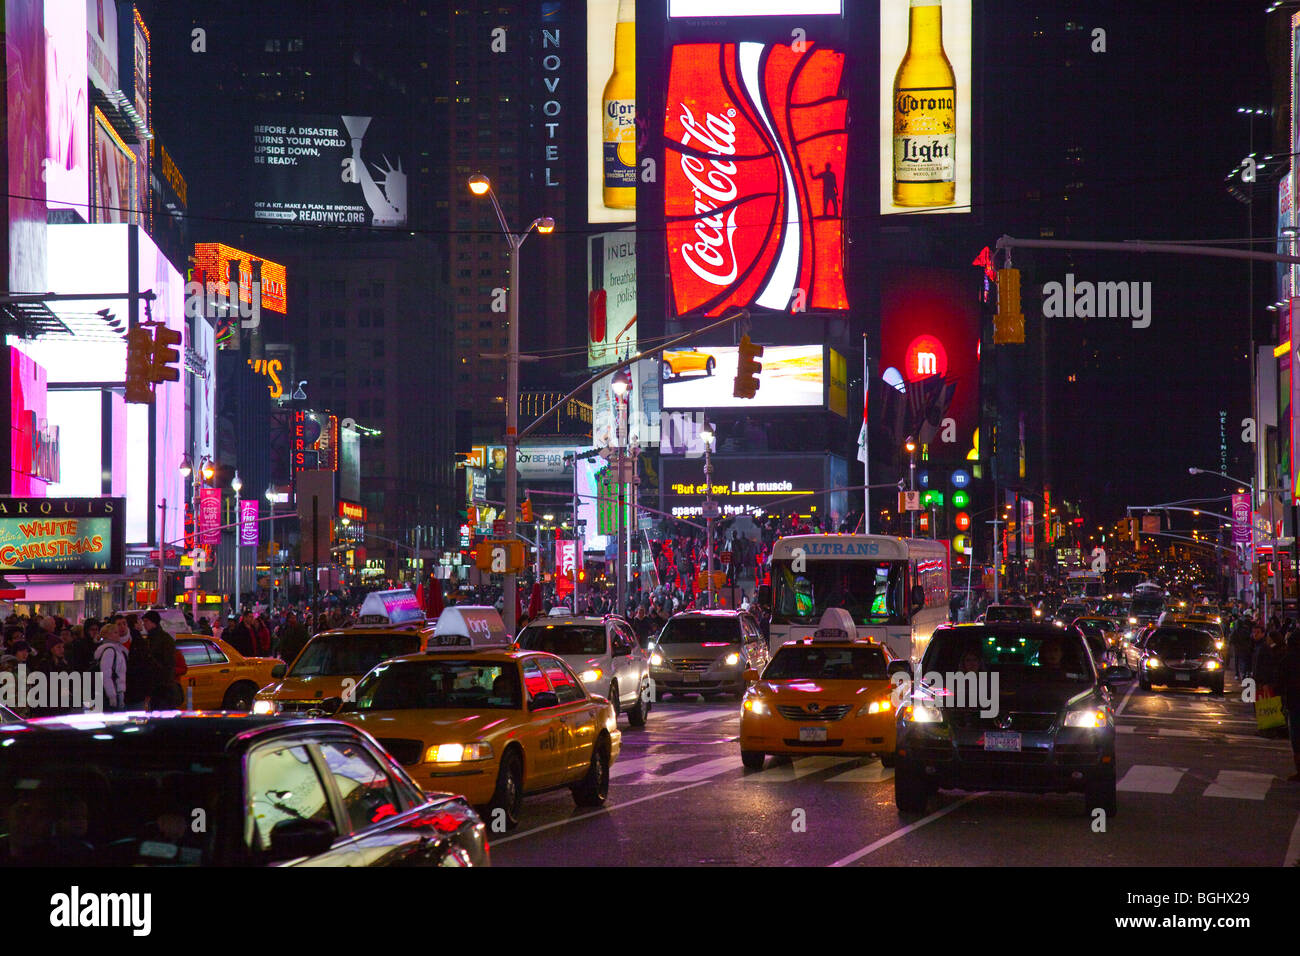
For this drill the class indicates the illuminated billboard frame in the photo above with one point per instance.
(792, 376)
(925, 117)
(67, 176)
(113, 182)
(320, 454)
(213, 259)
(611, 298)
(755, 160)
(73, 536)
(611, 108)
(753, 8)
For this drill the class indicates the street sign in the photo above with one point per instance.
(726, 557)
(909, 501)
(499, 527)
(711, 509)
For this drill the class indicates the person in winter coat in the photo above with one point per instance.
(110, 656)
(1289, 685)
(165, 692)
(261, 637)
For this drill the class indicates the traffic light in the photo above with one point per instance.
(161, 369)
(139, 366)
(1009, 323)
(526, 512)
(747, 370)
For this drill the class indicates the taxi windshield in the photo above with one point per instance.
(871, 591)
(810, 662)
(331, 655)
(440, 685)
(1017, 658)
(564, 638)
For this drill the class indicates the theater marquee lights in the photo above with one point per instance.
(756, 144)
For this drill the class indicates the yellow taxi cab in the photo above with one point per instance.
(474, 716)
(332, 663)
(677, 361)
(830, 693)
(218, 677)
(1108, 628)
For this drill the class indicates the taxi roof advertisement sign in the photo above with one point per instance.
(62, 535)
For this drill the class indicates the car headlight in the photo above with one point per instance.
(1132, 620)
(882, 706)
(265, 707)
(1211, 665)
(1151, 663)
(1059, 623)
(657, 659)
(457, 753)
(1038, 612)
(1218, 645)
(1093, 717)
(757, 706)
(591, 675)
(732, 659)
(922, 714)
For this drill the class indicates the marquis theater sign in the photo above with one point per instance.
(756, 142)
(62, 535)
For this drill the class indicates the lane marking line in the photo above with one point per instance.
(594, 813)
(898, 834)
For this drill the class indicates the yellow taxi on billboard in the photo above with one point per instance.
(473, 716)
(677, 361)
(218, 677)
(830, 693)
(332, 663)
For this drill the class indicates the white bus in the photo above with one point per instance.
(896, 589)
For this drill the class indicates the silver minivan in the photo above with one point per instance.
(604, 652)
(707, 653)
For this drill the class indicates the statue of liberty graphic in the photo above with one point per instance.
(386, 199)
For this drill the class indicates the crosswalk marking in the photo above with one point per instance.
(1240, 785)
(800, 767)
(701, 771)
(695, 718)
(874, 772)
(1145, 778)
(1125, 729)
(623, 768)
(1177, 732)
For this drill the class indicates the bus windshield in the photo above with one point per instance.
(871, 591)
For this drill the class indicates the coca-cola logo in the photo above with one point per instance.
(712, 256)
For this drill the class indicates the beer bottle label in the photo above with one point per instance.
(925, 135)
(620, 143)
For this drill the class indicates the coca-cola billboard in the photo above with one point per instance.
(755, 152)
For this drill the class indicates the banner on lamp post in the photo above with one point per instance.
(209, 515)
(248, 522)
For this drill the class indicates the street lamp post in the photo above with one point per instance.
(480, 185)
(1251, 485)
(911, 481)
(621, 387)
(706, 433)
(236, 485)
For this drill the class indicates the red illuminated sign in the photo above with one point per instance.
(315, 442)
(213, 259)
(352, 511)
(962, 521)
(756, 145)
(925, 356)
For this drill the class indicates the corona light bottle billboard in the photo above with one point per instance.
(925, 114)
(618, 111)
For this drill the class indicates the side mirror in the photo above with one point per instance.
(279, 670)
(750, 675)
(544, 699)
(900, 667)
(291, 839)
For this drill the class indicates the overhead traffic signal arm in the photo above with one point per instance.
(747, 369)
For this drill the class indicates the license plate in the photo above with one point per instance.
(812, 735)
(1007, 741)
(690, 678)
(1182, 677)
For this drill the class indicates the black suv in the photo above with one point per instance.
(128, 789)
(1008, 707)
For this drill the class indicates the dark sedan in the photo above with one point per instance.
(1041, 721)
(1180, 656)
(219, 790)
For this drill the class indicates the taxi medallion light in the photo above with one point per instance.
(731, 660)
(457, 753)
(591, 675)
(264, 707)
(1086, 718)
(756, 706)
